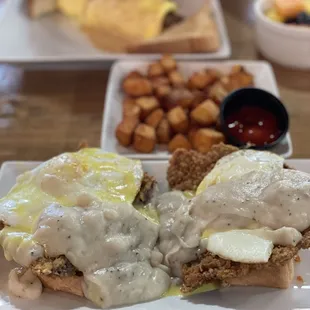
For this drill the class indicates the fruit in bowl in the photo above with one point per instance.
(295, 12)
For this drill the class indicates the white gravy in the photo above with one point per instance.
(271, 199)
(112, 244)
(24, 284)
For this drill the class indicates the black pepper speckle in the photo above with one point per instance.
(69, 237)
(290, 214)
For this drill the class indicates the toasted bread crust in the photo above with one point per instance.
(269, 276)
(71, 284)
(195, 34)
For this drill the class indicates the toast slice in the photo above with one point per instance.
(273, 277)
(68, 284)
(196, 34)
(38, 8)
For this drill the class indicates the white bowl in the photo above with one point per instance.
(288, 45)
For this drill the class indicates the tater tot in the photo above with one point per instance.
(144, 139)
(178, 120)
(204, 139)
(124, 131)
(137, 87)
(163, 131)
(179, 141)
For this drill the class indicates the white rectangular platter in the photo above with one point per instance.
(243, 298)
(55, 39)
(263, 78)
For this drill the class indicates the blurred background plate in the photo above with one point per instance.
(56, 39)
(263, 78)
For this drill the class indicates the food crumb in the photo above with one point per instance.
(300, 279)
(297, 259)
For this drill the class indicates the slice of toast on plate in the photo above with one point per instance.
(196, 34)
(274, 277)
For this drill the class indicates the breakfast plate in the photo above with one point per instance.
(296, 297)
(55, 39)
(261, 72)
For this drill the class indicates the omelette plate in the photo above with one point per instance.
(55, 39)
(242, 298)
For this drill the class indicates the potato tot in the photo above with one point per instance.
(178, 97)
(200, 80)
(162, 91)
(160, 81)
(125, 129)
(238, 78)
(206, 113)
(131, 110)
(147, 105)
(137, 87)
(154, 118)
(133, 74)
(204, 139)
(144, 139)
(129, 100)
(163, 131)
(217, 92)
(155, 69)
(178, 120)
(168, 63)
(179, 141)
(176, 78)
(199, 97)
(191, 134)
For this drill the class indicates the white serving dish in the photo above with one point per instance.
(243, 298)
(287, 45)
(263, 76)
(55, 39)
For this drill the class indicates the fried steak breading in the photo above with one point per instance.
(209, 267)
(59, 266)
(188, 168)
(147, 189)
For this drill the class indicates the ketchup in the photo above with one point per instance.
(255, 125)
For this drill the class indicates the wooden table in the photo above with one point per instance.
(55, 110)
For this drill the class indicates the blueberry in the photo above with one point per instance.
(303, 18)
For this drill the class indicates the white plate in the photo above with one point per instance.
(263, 78)
(245, 298)
(55, 38)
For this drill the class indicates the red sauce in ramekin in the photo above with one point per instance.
(254, 125)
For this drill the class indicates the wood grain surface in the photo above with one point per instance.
(44, 113)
